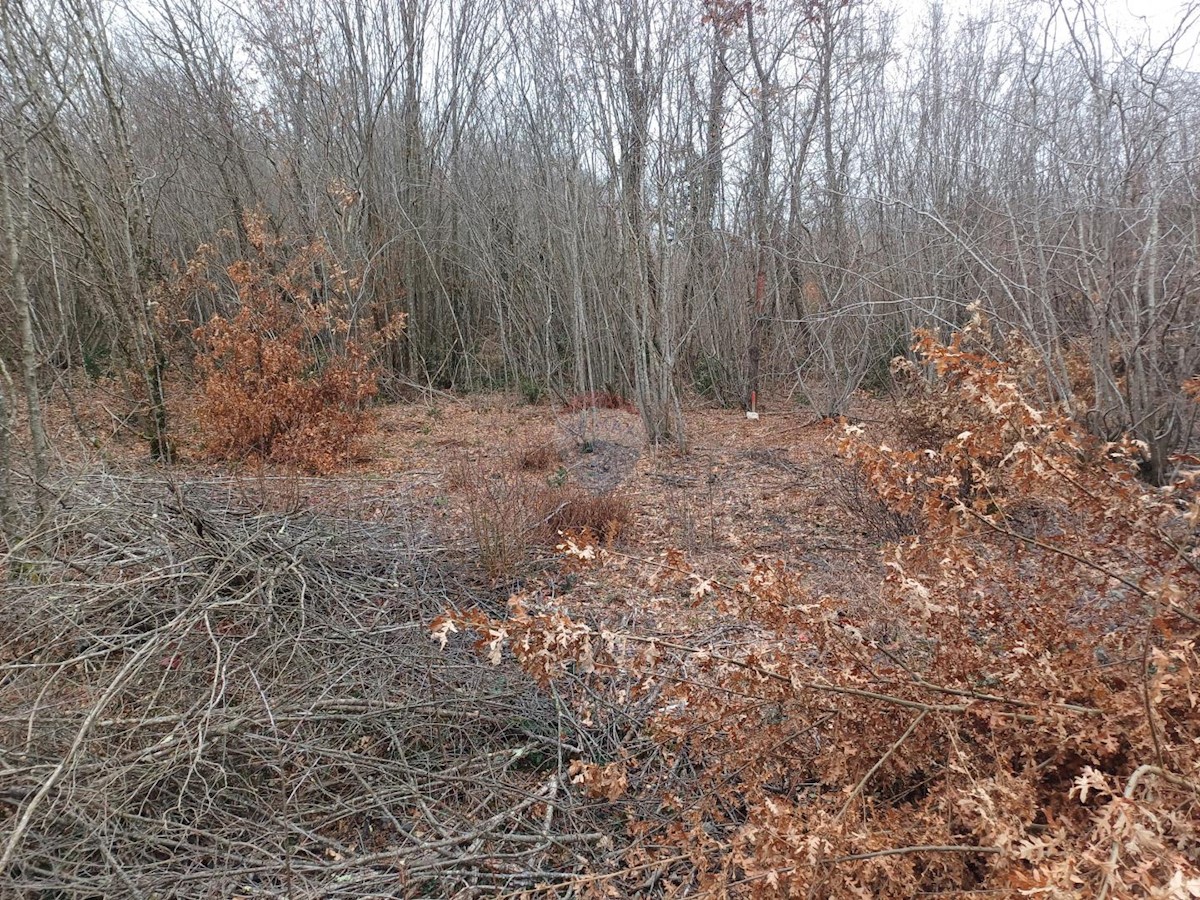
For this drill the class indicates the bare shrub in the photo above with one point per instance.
(606, 516)
(514, 511)
(877, 521)
(508, 512)
(537, 454)
(600, 400)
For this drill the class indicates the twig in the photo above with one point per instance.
(1131, 786)
(862, 782)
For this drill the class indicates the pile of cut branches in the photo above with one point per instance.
(201, 699)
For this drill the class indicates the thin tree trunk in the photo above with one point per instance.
(6, 503)
(14, 213)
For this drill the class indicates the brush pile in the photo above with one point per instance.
(198, 698)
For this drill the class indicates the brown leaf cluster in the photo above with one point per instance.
(283, 378)
(1021, 714)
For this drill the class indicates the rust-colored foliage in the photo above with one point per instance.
(515, 512)
(283, 377)
(538, 454)
(1020, 713)
(600, 400)
(603, 516)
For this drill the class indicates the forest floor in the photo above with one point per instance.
(220, 573)
(772, 489)
(389, 681)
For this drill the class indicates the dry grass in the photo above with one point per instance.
(516, 513)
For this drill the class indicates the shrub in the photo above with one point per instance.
(508, 513)
(605, 517)
(600, 400)
(537, 454)
(713, 380)
(1017, 716)
(877, 521)
(513, 511)
(933, 407)
(879, 377)
(532, 391)
(282, 378)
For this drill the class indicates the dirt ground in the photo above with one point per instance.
(772, 488)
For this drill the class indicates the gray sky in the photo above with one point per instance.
(1149, 21)
(1130, 15)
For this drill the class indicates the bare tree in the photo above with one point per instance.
(626, 195)
(15, 199)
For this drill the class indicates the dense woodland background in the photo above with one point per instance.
(636, 196)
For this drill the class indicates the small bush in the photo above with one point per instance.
(513, 511)
(606, 516)
(600, 400)
(281, 378)
(537, 455)
(713, 380)
(933, 408)
(879, 379)
(508, 513)
(878, 522)
(97, 360)
(532, 391)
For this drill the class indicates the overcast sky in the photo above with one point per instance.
(1125, 14)
(1144, 21)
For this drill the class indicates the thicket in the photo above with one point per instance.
(1018, 712)
(283, 376)
(518, 505)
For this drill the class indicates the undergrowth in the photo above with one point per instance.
(516, 513)
(282, 377)
(605, 399)
(1020, 716)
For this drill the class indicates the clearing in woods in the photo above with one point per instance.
(514, 651)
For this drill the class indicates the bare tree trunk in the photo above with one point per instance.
(640, 84)
(14, 220)
(761, 189)
(135, 235)
(7, 515)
